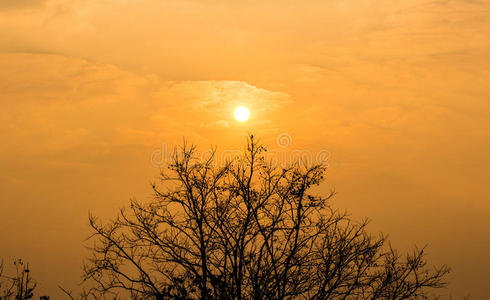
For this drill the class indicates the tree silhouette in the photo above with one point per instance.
(247, 230)
(20, 286)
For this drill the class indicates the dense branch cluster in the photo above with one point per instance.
(247, 230)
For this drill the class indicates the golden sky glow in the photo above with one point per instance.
(396, 91)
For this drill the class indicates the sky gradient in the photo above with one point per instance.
(396, 91)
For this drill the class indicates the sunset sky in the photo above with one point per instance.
(396, 91)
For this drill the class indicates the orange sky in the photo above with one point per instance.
(396, 91)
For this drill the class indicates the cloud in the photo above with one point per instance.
(207, 100)
(54, 104)
(184, 40)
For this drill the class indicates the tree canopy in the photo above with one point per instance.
(247, 229)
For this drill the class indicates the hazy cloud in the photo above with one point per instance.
(59, 103)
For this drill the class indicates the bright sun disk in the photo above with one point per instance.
(241, 113)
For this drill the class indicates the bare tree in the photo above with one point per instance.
(247, 230)
(20, 286)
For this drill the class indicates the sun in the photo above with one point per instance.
(241, 113)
